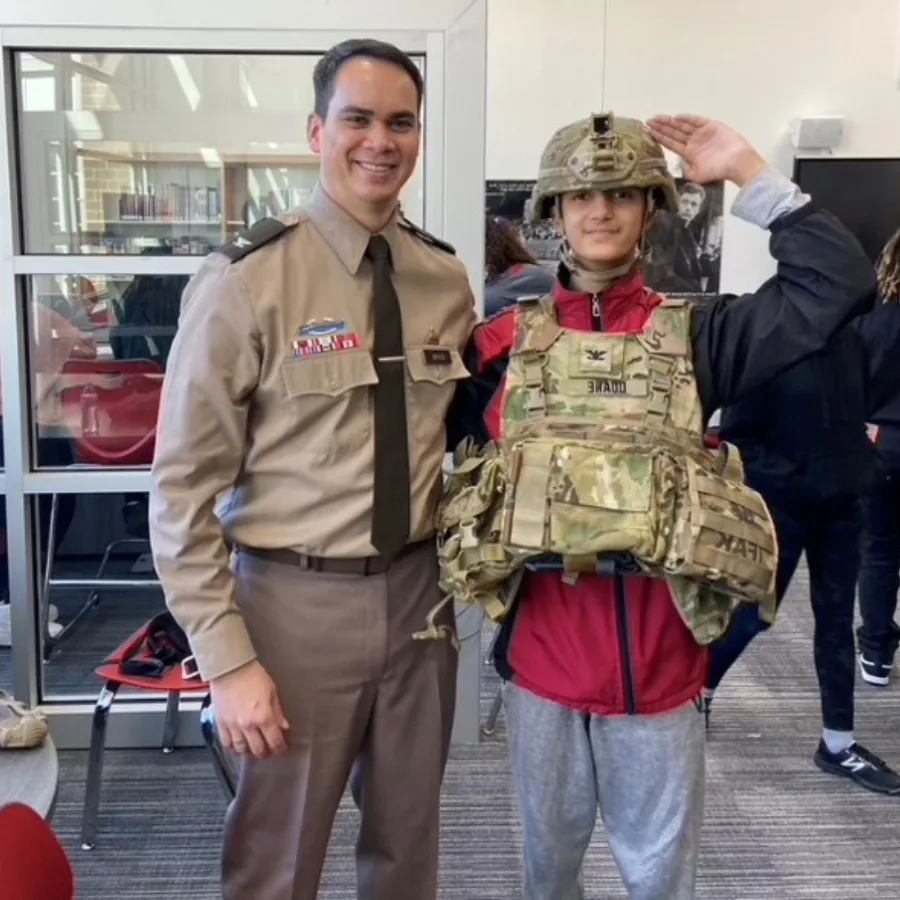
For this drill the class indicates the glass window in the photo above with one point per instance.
(91, 538)
(2, 450)
(127, 153)
(98, 348)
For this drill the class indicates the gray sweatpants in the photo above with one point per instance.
(646, 775)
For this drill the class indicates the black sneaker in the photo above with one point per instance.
(863, 767)
(875, 668)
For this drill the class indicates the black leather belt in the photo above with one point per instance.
(351, 565)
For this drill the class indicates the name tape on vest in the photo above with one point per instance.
(736, 546)
(612, 387)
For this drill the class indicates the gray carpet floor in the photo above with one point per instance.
(775, 826)
(70, 670)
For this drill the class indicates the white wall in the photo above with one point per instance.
(755, 69)
(234, 14)
(544, 69)
(552, 61)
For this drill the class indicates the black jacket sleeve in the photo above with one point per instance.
(824, 280)
(880, 332)
(746, 421)
(465, 418)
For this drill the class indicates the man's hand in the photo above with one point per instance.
(247, 712)
(710, 150)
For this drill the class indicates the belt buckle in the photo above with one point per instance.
(189, 668)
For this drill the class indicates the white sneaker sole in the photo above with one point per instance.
(869, 678)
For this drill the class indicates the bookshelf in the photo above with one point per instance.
(129, 205)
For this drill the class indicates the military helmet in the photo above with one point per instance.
(602, 153)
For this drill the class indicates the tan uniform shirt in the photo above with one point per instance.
(249, 409)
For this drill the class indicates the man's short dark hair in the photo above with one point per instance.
(327, 67)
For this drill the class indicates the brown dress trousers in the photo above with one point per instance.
(359, 695)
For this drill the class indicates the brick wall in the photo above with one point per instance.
(102, 176)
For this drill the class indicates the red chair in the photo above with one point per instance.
(174, 681)
(33, 864)
(110, 407)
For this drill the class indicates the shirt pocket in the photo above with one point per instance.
(329, 399)
(434, 372)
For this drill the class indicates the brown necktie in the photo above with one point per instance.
(390, 503)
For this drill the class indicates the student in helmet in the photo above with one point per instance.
(634, 543)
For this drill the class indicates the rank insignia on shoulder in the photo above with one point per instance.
(425, 236)
(260, 234)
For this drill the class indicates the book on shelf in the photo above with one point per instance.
(168, 203)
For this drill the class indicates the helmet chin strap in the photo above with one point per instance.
(598, 279)
(595, 280)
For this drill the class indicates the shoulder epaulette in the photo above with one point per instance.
(426, 236)
(262, 233)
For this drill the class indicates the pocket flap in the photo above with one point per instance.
(435, 364)
(332, 373)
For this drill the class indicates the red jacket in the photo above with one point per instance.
(607, 645)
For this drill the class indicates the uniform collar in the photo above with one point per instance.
(346, 237)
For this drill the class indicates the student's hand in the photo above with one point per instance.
(710, 150)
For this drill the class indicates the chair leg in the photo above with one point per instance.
(46, 586)
(489, 656)
(94, 596)
(170, 727)
(95, 765)
(220, 762)
(490, 725)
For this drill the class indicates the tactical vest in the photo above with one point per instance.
(601, 467)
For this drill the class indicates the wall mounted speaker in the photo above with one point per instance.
(817, 132)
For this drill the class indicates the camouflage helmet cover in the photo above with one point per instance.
(602, 153)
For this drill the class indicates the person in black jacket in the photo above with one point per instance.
(147, 315)
(879, 577)
(806, 450)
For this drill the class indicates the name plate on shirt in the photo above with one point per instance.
(434, 356)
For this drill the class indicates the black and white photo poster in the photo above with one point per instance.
(683, 255)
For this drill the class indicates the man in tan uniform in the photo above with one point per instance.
(315, 360)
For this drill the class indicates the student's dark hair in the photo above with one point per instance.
(889, 270)
(327, 67)
(503, 247)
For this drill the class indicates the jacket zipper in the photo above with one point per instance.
(596, 312)
(625, 645)
(621, 606)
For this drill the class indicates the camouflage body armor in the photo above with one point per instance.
(602, 468)
(601, 465)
